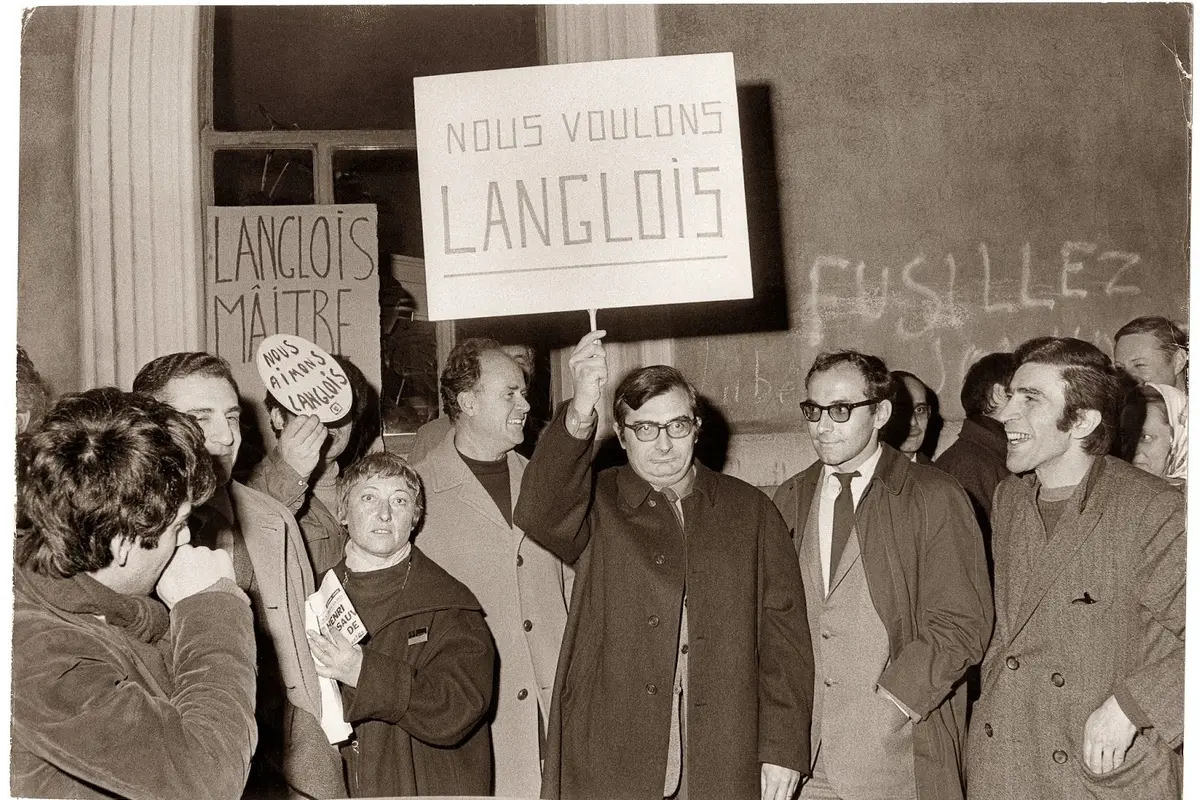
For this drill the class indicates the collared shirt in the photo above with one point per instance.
(830, 489)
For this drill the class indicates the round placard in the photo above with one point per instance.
(303, 377)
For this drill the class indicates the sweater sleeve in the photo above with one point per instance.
(954, 605)
(273, 476)
(441, 700)
(556, 491)
(80, 710)
(1152, 696)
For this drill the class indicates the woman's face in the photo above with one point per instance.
(380, 514)
(1154, 445)
(1143, 357)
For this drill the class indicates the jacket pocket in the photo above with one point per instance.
(1146, 772)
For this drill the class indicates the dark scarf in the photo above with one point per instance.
(144, 618)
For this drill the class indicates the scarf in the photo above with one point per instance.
(143, 618)
(1177, 417)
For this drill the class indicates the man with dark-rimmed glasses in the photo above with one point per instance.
(686, 666)
(898, 600)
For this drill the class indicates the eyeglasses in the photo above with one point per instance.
(678, 428)
(838, 412)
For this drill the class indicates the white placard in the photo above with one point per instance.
(303, 377)
(574, 186)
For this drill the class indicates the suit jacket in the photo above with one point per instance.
(750, 657)
(923, 558)
(1100, 614)
(523, 590)
(324, 537)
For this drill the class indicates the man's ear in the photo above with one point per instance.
(1086, 421)
(122, 546)
(883, 412)
(466, 402)
(277, 420)
(620, 438)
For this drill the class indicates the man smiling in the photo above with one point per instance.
(898, 601)
(1083, 681)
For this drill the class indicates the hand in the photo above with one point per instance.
(1107, 735)
(335, 657)
(778, 783)
(190, 571)
(300, 443)
(589, 373)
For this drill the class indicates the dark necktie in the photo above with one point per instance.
(843, 519)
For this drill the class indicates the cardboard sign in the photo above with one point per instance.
(304, 378)
(310, 271)
(574, 186)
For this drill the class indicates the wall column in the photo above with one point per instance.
(141, 269)
(599, 33)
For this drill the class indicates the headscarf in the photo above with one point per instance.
(1177, 417)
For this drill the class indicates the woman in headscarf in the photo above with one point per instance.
(1162, 446)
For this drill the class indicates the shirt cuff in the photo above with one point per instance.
(580, 428)
(908, 712)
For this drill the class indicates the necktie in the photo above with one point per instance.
(843, 519)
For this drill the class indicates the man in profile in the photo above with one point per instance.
(270, 564)
(114, 693)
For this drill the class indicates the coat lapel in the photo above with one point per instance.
(1074, 527)
(452, 473)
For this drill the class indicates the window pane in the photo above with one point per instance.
(351, 67)
(408, 343)
(262, 177)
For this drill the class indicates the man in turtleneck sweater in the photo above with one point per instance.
(114, 693)
(472, 481)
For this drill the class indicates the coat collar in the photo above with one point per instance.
(633, 489)
(985, 432)
(1030, 483)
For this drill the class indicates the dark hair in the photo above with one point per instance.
(981, 377)
(462, 371)
(898, 375)
(106, 465)
(358, 387)
(1169, 335)
(380, 465)
(33, 393)
(880, 384)
(1089, 381)
(648, 382)
(155, 375)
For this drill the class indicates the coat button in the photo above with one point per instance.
(528, 625)
(1060, 756)
(824, 634)
(660, 559)
(1057, 679)
(652, 621)
(651, 688)
(653, 503)
(520, 560)
(683, 649)
(1011, 662)
(829, 682)
(521, 695)
(987, 730)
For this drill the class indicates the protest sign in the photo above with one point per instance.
(310, 271)
(575, 186)
(303, 377)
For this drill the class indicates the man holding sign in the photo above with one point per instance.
(686, 667)
(269, 564)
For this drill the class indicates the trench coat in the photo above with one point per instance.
(750, 663)
(1100, 614)
(424, 687)
(927, 576)
(523, 591)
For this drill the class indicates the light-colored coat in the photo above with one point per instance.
(1100, 613)
(284, 579)
(523, 590)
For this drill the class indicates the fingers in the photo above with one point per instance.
(590, 339)
(306, 430)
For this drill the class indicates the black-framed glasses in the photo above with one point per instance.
(678, 428)
(838, 412)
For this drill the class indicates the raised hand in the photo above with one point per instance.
(589, 373)
(191, 571)
(300, 443)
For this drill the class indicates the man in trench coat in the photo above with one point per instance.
(686, 666)
(1083, 682)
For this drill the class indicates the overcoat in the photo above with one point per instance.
(1098, 611)
(750, 662)
(284, 579)
(324, 537)
(424, 687)
(523, 591)
(927, 577)
(976, 460)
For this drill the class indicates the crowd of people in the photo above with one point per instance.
(1000, 619)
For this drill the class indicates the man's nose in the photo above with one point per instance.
(663, 442)
(825, 423)
(221, 431)
(1008, 412)
(522, 403)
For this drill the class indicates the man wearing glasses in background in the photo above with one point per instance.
(686, 666)
(898, 600)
